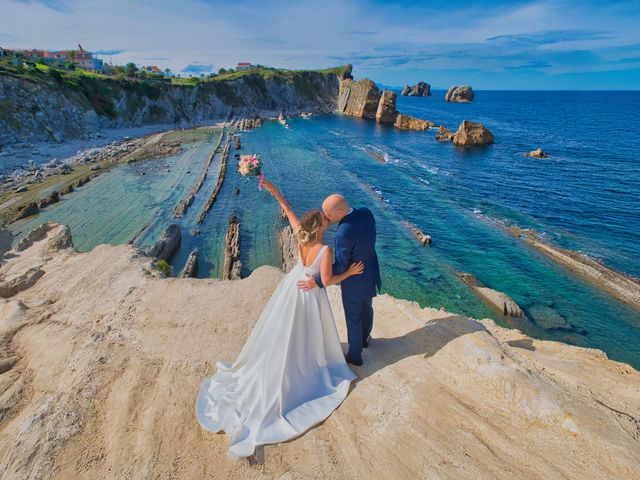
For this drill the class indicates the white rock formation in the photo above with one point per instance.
(101, 360)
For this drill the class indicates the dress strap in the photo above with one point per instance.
(320, 254)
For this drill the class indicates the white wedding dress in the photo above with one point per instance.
(290, 375)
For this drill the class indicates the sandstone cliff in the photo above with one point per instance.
(48, 110)
(101, 360)
(363, 99)
(358, 98)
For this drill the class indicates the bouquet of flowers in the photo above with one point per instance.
(251, 165)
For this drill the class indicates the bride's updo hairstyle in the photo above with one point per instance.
(310, 225)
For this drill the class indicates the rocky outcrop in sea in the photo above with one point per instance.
(420, 89)
(471, 134)
(363, 99)
(167, 244)
(462, 94)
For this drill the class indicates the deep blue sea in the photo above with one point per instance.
(586, 197)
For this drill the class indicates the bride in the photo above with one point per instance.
(291, 373)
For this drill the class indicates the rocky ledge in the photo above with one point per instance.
(439, 395)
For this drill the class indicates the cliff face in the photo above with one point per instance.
(439, 395)
(50, 110)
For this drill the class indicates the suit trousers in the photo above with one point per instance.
(359, 316)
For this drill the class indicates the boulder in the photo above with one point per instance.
(29, 209)
(420, 89)
(386, 112)
(358, 98)
(168, 242)
(462, 94)
(407, 122)
(471, 134)
(537, 154)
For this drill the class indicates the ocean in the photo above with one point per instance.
(585, 197)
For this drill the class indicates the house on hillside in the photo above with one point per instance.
(243, 66)
(80, 57)
(5, 52)
(152, 69)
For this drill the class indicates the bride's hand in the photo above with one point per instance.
(355, 268)
(269, 186)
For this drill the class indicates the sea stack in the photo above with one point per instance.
(420, 89)
(462, 94)
(386, 112)
(471, 134)
(359, 98)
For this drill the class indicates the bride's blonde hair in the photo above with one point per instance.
(310, 225)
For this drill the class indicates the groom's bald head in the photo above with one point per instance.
(335, 207)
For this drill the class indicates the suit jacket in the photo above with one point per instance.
(356, 242)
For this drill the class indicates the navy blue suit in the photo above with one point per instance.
(356, 242)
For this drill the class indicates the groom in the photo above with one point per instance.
(355, 242)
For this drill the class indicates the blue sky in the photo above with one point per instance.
(556, 44)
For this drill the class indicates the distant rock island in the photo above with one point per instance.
(420, 89)
(461, 94)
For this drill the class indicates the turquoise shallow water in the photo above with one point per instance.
(433, 185)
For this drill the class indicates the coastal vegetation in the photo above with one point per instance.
(43, 103)
(99, 90)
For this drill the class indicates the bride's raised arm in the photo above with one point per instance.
(293, 220)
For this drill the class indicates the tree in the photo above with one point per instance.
(222, 71)
(167, 71)
(118, 70)
(131, 69)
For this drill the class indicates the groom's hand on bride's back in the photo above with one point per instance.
(308, 284)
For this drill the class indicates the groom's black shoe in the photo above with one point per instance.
(365, 343)
(350, 360)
